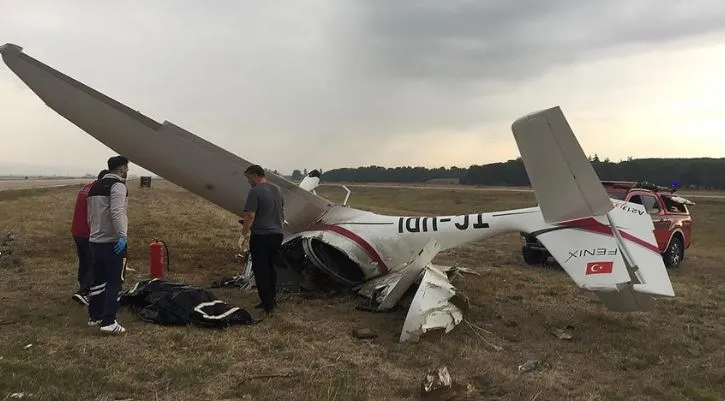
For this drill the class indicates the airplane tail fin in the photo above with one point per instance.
(566, 185)
(607, 249)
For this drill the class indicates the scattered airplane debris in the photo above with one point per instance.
(437, 385)
(364, 333)
(381, 257)
(6, 243)
(432, 308)
(528, 366)
(9, 237)
(563, 335)
(270, 376)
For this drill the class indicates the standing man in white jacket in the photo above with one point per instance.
(108, 222)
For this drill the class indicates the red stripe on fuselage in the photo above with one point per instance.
(591, 224)
(371, 252)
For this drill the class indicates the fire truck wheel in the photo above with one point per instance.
(675, 253)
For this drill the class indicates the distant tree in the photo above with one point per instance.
(701, 172)
(297, 174)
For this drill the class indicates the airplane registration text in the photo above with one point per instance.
(425, 224)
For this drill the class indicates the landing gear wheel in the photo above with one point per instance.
(674, 254)
(533, 257)
(551, 263)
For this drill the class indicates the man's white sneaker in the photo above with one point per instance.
(93, 322)
(114, 328)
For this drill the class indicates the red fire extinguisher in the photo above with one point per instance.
(156, 258)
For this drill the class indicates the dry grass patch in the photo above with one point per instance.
(306, 351)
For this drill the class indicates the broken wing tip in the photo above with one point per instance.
(10, 47)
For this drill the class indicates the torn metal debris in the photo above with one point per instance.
(528, 366)
(431, 308)
(437, 384)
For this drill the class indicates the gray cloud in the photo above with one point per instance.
(459, 41)
(335, 81)
(427, 65)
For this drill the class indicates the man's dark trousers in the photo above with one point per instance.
(85, 279)
(106, 285)
(265, 253)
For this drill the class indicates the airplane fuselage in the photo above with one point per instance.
(381, 244)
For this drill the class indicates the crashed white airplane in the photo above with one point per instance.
(381, 256)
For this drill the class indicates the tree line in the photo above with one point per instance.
(701, 173)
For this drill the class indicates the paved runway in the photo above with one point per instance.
(25, 184)
(30, 183)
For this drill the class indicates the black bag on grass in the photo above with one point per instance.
(163, 302)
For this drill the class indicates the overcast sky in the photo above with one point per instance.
(342, 83)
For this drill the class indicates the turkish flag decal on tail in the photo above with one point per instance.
(599, 267)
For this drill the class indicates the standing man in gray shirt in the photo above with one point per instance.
(108, 222)
(262, 230)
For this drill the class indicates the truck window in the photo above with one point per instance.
(673, 206)
(635, 199)
(650, 204)
(648, 201)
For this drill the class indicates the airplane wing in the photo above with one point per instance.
(163, 148)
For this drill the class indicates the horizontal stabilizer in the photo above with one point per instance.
(591, 255)
(626, 299)
(592, 259)
(565, 183)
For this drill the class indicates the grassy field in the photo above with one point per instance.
(675, 353)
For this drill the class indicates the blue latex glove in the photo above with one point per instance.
(120, 245)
